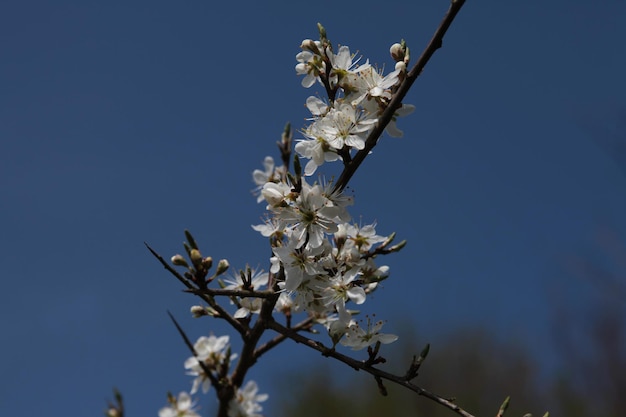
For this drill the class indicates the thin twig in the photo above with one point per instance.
(205, 368)
(167, 266)
(362, 366)
(223, 314)
(251, 338)
(303, 325)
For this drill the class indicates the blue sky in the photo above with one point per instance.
(129, 122)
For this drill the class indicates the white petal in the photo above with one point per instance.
(387, 338)
(241, 313)
(357, 294)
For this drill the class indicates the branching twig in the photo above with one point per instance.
(252, 334)
(188, 343)
(361, 365)
(223, 314)
(303, 325)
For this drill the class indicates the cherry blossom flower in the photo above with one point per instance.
(316, 149)
(346, 125)
(343, 67)
(309, 64)
(270, 173)
(371, 84)
(298, 263)
(341, 289)
(258, 279)
(211, 351)
(246, 401)
(358, 338)
(363, 237)
(179, 407)
(276, 194)
(391, 129)
(312, 216)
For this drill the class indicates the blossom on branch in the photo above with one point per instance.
(179, 407)
(211, 351)
(358, 338)
(246, 401)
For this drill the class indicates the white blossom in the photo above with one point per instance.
(179, 407)
(246, 401)
(358, 338)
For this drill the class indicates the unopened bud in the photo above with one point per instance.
(171, 399)
(222, 266)
(178, 260)
(336, 330)
(191, 240)
(199, 311)
(504, 406)
(287, 134)
(309, 45)
(322, 32)
(397, 52)
(396, 248)
(207, 263)
(195, 256)
(400, 66)
(113, 412)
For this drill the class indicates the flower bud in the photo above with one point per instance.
(195, 256)
(222, 266)
(191, 240)
(396, 248)
(207, 263)
(113, 412)
(285, 138)
(400, 66)
(336, 331)
(309, 45)
(322, 32)
(397, 52)
(199, 311)
(178, 260)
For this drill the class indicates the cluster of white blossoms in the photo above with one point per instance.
(211, 353)
(321, 260)
(212, 359)
(181, 406)
(357, 95)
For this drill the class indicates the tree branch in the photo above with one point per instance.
(396, 102)
(223, 314)
(360, 365)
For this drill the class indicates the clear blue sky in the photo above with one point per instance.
(125, 122)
